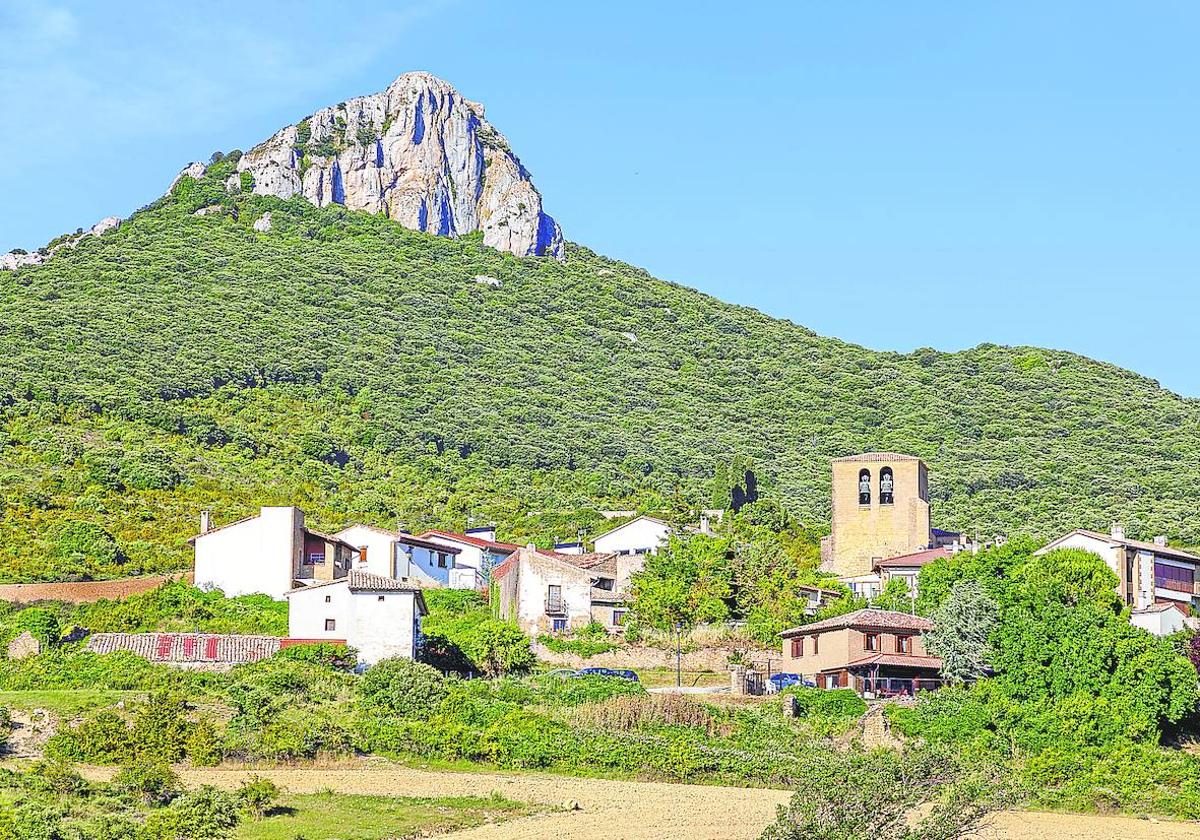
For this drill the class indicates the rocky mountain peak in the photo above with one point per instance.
(418, 152)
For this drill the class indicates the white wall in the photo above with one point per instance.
(378, 629)
(641, 536)
(252, 557)
(422, 564)
(1159, 622)
(380, 549)
(536, 576)
(471, 555)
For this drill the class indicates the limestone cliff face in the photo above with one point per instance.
(418, 152)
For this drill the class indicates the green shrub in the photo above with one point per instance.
(835, 703)
(154, 784)
(402, 687)
(258, 795)
(337, 657)
(203, 814)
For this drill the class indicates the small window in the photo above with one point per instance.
(316, 558)
(618, 618)
(904, 644)
(328, 599)
(864, 487)
(441, 560)
(560, 625)
(871, 641)
(816, 645)
(362, 556)
(797, 647)
(330, 624)
(380, 598)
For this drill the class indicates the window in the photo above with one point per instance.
(328, 599)
(1176, 578)
(886, 485)
(871, 641)
(316, 558)
(560, 625)
(380, 598)
(362, 555)
(441, 560)
(904, 644)
(864, 487)
(1129, 580)
(605, 583)
(797, 647)
(816, 645)
(618, 618)
(330, 624)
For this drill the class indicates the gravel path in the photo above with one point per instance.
(617, 810)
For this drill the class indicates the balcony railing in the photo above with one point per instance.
(1191, 587)
(556, 606)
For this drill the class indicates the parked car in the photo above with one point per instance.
(620, 673)
(778, 682)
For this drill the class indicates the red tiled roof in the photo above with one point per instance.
(188, 647)
(470, 540)
(916, 558)
(1164, 550)
(895, 660)
(870, 619)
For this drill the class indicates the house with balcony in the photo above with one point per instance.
(878, 653)
(269, 554)
(547, 592)
(1150, 574)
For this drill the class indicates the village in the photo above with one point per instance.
(363, 586)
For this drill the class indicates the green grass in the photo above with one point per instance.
(333, 816)
(658, 677)
(65, 702)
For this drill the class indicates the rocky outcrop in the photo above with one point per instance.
(419, 153)
(20, 259)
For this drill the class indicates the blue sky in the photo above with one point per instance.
(899, 175)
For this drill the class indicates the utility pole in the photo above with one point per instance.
(678, 654)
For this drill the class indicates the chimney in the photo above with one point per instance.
(205, 521)
(1161, 541)
(530, 547)
(1117, 531)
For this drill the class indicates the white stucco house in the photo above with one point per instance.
(398, 554)
(641, 535)
(268, 554)
(478, 549)
(378, 616)
(1152, 575)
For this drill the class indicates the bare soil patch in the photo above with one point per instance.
(625, 810)
(85, 592)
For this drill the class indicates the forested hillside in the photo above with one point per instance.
(344, 363)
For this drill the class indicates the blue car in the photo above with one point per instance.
(619, 673)
(782, 681)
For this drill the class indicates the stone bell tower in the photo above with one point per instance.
(880, 509)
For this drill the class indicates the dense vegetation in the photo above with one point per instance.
(343, 363)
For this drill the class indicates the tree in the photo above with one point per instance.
(402, 687)
(895, 596)
(962, 626)
(499, 647)
(687, 583)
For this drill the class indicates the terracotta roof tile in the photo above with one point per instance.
(877, 456)
(872, 619)
(188, 647)
(470, 540)
(916, 558)
(897, 660)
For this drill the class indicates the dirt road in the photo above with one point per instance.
(617, 810)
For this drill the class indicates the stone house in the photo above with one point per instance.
(546, 592)
(378, 616)
(878, 653)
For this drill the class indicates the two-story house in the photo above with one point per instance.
(1151, 575)
(478, 549)
(399, 554)
(268, 554)
(546, 592)
(878, 653)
